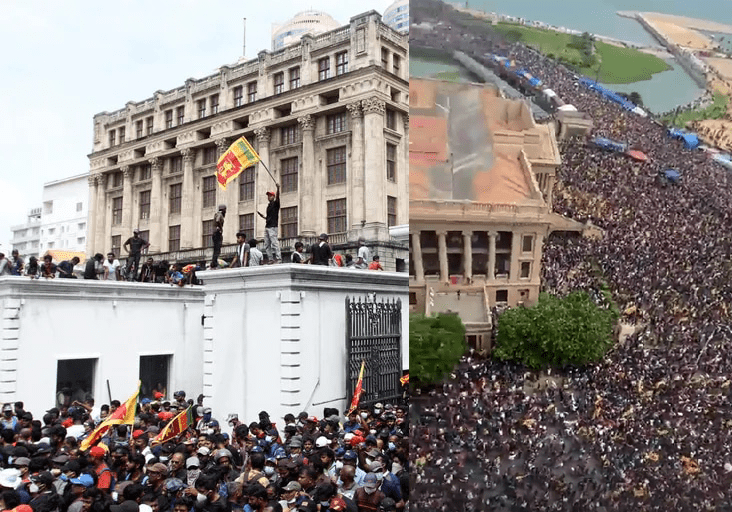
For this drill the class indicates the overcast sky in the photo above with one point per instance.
(63, 62)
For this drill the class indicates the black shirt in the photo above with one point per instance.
(321, 253)
(66, 269)
(273, 213)
(90, 271)
(136, 244)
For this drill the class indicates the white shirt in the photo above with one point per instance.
(255, 257)
(365, 254)
(112, 269)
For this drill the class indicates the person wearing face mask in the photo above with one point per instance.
(289, 495)
(368, 497)
(192, 470)
(390, 484)
(207, 497)
(204, 424)
(270, 470)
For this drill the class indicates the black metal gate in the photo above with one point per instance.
(373, 335)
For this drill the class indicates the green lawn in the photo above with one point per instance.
(616, 65)
(714, 111)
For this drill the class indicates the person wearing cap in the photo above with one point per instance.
(364, 254)
(79, 484)
(321, 253)
(289, 495)
(389, 483)
(218, 234)
(224, 465)
(9, 420)
(134, 247)
(368, 496)
(271, 243)
(350, 459)
(104, 474)
(44, 493)
(111, 268)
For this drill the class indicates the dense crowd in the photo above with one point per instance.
(648, 428)
(299, 463)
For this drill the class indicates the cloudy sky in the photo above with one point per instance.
(65, 61)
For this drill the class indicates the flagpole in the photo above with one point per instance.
(267, 169)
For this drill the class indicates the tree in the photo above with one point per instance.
(436, 344)
(556, 332)
(635, 97)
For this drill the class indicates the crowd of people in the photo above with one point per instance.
(355, 463)
(648, 427)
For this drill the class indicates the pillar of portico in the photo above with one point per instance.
(403, 172)
(375, 160)
(188, 192)
(357, 198)
(229, 197)
(536, 269)
(442, 254)
(100, 215)
(308, 211)
(92, 216)
(417, 255)
(468, 255)
(126, 202)
(515, 271)
(156, 198)
(264, 181)
(491, 270)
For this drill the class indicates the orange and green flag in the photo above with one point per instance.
(238, 157)
(175, 427)
(404, 380)
(124, 415)
(358, 391)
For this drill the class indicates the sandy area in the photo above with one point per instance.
(717, 132)
(692, 23)
(723, 66)
(679, 34)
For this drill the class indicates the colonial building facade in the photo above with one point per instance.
(328, 115)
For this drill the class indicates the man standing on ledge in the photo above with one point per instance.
(272, 220)
(134, 247)
(218, 235)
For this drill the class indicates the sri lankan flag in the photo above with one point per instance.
(125, 414)
(238, 157)
(359, 390)
(405, 379)
(175, 427)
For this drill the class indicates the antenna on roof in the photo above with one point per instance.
(244, 49)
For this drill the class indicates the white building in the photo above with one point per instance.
(64, 215)
(27, 236)
(397, 16)
(305, 22)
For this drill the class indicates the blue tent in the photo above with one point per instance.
(612, 95)
(535, 82)
(609, 144)
(672, 175)
(691, 141)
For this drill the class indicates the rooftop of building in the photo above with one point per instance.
(467, 143)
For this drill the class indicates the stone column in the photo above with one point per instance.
(357, 198)
(264, 182)
(442, 253)
(375, 163)
(156, 198)
(491, 270)
(403, 173)
(515, 271)
(187, 213)
(126, 202)
(229, 197)
(308, 212)
(91, 217)
(102, 241)
(417, 255)
(468, 255)
(536, 269)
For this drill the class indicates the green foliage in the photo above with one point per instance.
(556, 332)
(716, 110)
(436, 344)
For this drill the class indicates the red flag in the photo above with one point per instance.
(405, 379)
(175, 427)
(359, 390)
(238, 157)
(124, 415)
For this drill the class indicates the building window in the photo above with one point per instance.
(279, 83)
(288, 220)
(209, 191)
(145, 204)
(385, 58)
(525, 269)
(246, 224)
(396, 63)
(180, 113)
(81, 226)
(501, 296)
(116, 244)
(139, 129)
(145, 172)
(336, 165)
(324, 68)
(116, 211)
(341, 63)
(176, 164)
(527, 243)
(206, 233)
(112, 135)
(391, 119)
(149, 125)
(214, 101)
(391, 211)
(201, 109)
(336, 122)
(168, 119)
(337, 216)
(175, 197)
(391, 150)
(246, 185)
(289, 135)
(251, 92)
(238, 96)
(209, 155)
(121, 134)
(288, 171)
(294, 78)
(117, 179)
(79, 207)
(174, 238)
